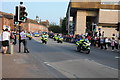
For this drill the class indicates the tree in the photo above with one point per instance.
(54, 28)
(64, 31)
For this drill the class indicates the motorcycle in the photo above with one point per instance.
(44, 40)
(60, 40)
(29, 36)
(84, 47)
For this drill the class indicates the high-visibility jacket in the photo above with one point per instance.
(44, 37)
(79, 42)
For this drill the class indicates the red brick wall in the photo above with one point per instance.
(35, 27)
(26, 26)
(8, 22)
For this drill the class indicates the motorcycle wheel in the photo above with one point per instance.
(45, 42)
(78, 49)
(54, 39)
(29, 38)
(88, 51)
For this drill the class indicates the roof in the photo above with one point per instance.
(7, 15)
(10, 16)
(31, 21)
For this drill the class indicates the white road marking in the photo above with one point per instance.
(100, 64)
(117, 57)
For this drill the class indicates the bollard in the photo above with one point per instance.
(0, 46)
(11, 49)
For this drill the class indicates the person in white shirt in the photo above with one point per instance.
(5, 40)
(23, 40)
(106, 42)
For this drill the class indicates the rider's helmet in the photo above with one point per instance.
(44, 33)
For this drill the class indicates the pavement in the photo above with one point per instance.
(21, 65)
(59, 61)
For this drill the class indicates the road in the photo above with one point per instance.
(56, 60)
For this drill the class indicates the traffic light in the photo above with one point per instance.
(22, 15)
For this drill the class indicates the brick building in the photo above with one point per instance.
(90, 15)
(6, 19)
(45, 23)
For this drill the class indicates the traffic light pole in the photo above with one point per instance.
(19, 37)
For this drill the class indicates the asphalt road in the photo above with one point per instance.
(65, 59)
(56, 60)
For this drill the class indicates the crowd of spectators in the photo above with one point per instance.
(97, 39)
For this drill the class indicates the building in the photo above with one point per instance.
(44, 22)
(34, 26)
(92, 16)
(6, 20)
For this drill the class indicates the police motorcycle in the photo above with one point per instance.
(83, 46)
(55, 37)
(60, 39)
(44, 38)
(29, 36)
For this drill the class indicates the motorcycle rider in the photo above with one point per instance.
(29, 35)
(55, 37)
(44, 37)
(60, 38)
(79, 41)
(85, 41)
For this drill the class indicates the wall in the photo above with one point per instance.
(8, 22)
(108, 31)
(108, 16)
(80, 22)
(34, 27)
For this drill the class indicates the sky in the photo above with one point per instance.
(51, 11)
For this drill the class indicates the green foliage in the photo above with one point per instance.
(55, 28)
(64, 31)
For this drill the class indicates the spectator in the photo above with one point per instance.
(113, 43)
(12, 37)
(96, 41)
(5, 40)
(101, 42)
(109, 42)
(99, 33)
(106, 42)
(89, 38)
(15, 37)
(103, 34)
(24, 41)
(116, 45)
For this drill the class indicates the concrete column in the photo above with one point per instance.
(80, 22)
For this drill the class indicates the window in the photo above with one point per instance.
(110, 3)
